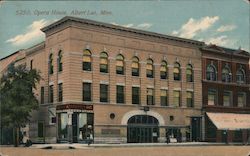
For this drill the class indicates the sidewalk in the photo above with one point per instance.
(86, 146)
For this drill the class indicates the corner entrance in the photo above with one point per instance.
(142, 129)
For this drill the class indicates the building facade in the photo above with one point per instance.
(115, 84)
(226, 94)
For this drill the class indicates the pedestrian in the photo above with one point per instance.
(26, 141)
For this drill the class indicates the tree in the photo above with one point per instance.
(17, 98)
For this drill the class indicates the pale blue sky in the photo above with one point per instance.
(222, 22)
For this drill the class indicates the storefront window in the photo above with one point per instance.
(62, 126)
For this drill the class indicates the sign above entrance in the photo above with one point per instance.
(74, 106)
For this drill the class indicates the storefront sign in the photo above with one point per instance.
(74, 106)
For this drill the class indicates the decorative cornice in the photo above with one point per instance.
(69, 20)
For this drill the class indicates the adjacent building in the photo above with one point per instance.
(226, 94)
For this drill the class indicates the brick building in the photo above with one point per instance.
(116, 84)
(226, 94)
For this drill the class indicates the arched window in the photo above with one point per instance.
(240, 75)
(226, 75)
(177, 71)
(60, 67)
(150, 68)
(51, 64)
(86, 60)
(189, 73)
(211, 73)
(119, 64)
(164, 70)
(135, 66)
(104, 62)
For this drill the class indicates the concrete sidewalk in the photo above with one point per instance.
(86, 146)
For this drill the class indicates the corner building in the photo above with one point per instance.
(116, 84)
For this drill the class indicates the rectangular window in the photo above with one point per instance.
(104, 68)
(135, 71)
(164, 98)
(135, 95)
(86, 91)
(119, 94)
(60, 66)
(177, 98)
(241, 99)
(40, 129)
(51, 94)
(31, 64)
(150, 96)
(163, 75)
(190, 99)
(227, 98)
(42, 95)
(86, 65)
(212, 97)
(120, 70)
(103, 93)
(60, 92)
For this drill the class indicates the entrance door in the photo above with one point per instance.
(196, 128)
(75, 127)
(142, 129)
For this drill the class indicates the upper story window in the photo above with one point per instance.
(119, 64)
(42, 95)
(51, 64)
(31, 64)
(164, 70)
(60, 92)
(104, 62)
(240, 75)
(164, 97)
(241, 99)
(86, 91)
(51, 94)
(177, 98)
(227, 98)
(212, 97)
(86, 60)
(189, 73)
(135, 95)
(150, 68)
(120, 94)
(60, 67)
(190, 99)
(103, 93)
(211, 73)
(135, 66)
(226, 75)
(177, 71)
(150, 96)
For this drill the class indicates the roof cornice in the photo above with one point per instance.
(120, 28)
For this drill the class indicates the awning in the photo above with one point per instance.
(230, 121)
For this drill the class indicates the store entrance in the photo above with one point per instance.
(82, 127)
(142, 129)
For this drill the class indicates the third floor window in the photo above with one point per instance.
(211, 73)
(86, 60)
(104, 62)
(135, 66)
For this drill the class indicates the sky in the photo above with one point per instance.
(222, 22)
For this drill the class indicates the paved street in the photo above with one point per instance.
(132, 151)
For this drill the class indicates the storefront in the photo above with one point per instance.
(227, 127)
(75, 123)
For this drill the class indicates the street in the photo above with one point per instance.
(132, 151)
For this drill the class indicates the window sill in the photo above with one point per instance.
(120, 75)
(103, 73)
(87, 71)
